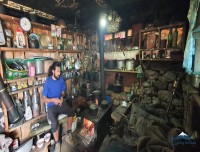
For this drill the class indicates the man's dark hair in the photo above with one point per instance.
(53, 67)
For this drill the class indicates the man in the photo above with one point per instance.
(53, 93)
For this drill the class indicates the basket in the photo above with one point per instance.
(13, 74)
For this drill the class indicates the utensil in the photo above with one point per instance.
(45, 40)
(33, 40)
(104, 104)
(195, 80)
(93, 109)
(129, 65)
(120, 64)
(39, 65)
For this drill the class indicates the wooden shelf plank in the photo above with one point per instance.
(115, 70)
(33, 119)
(70, 51)
(177, 60)
(10, 49)
(28, 88)
(19, 79)
(26, 78)
(155, 49)
(42, 50)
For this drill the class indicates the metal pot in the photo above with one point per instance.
(39, 66)
(195, 80)
(130, 65)
(104, 104)
(120, 64)
(86, 92)
(33, 43)
(111, 64)
(93, 109)
(28, 62)
(96, 95)
(117, 88)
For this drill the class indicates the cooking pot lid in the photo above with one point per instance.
(96, 92)
(33, 36)
(104, 102)
(93, 106)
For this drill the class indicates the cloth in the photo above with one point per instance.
(154, 139)
(55, 110)
(190, 43)
(53, 89)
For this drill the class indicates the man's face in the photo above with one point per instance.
(56, 73)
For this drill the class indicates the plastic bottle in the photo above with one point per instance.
(174, 39)
(169, 44)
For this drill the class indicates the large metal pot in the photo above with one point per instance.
(120, 64)
(111, 64)
(96, 95)
(195, 80)
(93, 109)
(129, 65)
(39, 66)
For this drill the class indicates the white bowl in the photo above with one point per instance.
(47, 137)
(40, 142)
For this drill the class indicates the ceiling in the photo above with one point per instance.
(131, 11)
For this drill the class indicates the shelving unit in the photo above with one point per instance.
(153, 43)
(31, 120)
(26, 78)
(24, 89)
(12, 23)
(115, 70)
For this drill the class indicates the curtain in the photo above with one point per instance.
(190, 43)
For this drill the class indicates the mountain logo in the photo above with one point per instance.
(183, 139)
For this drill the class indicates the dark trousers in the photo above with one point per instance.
(55, 111)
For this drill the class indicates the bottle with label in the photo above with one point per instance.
(169, 43)
(73, 61)
(70, 63)
(174, 38)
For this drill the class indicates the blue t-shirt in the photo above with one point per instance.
(53, 89)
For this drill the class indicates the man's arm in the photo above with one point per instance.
(57, 101)
(62, 96)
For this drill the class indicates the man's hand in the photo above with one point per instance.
(58, 101)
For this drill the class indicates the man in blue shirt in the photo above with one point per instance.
(53, 93)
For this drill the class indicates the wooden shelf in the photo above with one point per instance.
(155, 49)
(24, 89)
(70, 51)
(26, 78)
(177, 60)
(10, 49)
(116, 70)
(33, 119)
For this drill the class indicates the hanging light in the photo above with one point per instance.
(103, 20)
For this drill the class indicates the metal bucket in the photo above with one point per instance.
(120, 64)
(195, 80)
(130, 65)
(39, 66)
